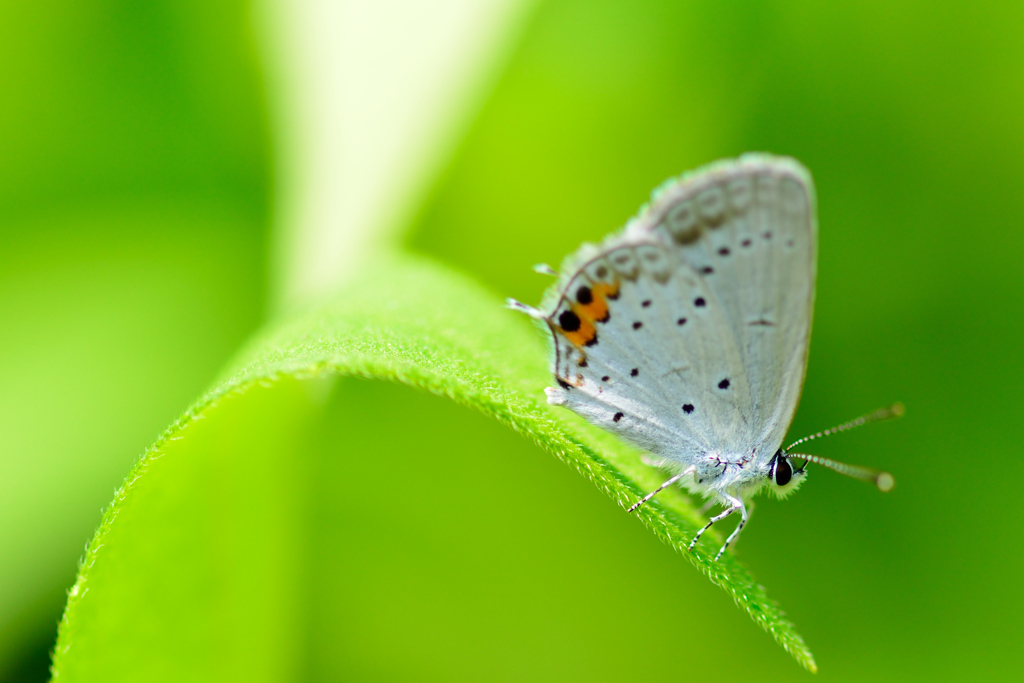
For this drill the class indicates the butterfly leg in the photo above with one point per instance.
(749, 504)
(744, 516)
(652, 494)
(735, 504)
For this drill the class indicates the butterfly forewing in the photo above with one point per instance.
(688, 333)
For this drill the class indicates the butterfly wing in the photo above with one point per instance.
(687, 333)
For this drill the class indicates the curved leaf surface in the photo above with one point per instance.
(158, 589)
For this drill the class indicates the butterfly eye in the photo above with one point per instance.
(783, 471)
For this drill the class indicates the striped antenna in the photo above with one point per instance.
(887, 413)
(883, 480)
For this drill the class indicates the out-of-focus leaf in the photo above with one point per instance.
(133, 232)
(112, 321)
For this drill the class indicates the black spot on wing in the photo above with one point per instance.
(687, 408)
(618, 416)
(569, 321)
(724, 384)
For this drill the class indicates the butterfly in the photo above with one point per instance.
(686, 333)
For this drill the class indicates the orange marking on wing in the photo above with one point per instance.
(595, 311)
(584, 334)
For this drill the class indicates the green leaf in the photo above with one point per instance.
(198, 559)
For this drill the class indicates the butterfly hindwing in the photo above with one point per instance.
(753, 237)
(687, 333)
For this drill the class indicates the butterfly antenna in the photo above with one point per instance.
(887, 413)
(545, 269)
(883, 480)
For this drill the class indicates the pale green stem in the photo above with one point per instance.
(368, 99)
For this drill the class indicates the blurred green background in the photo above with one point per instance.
(135, 181)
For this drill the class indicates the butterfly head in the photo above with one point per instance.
(783, 475)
